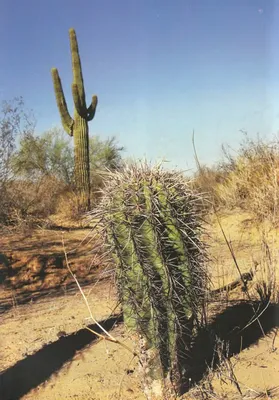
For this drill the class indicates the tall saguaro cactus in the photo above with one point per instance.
(78, 125)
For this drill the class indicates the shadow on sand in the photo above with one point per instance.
(30, 372)
(229, 326)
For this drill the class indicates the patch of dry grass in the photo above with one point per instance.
(247, 179)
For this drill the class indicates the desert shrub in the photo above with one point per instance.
(28, 201)
(38, 173)
(36, 177)
(206, 181)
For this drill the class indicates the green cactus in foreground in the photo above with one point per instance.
(77, 126)
(152, 225)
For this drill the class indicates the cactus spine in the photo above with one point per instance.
(78, 125)
(152, 225)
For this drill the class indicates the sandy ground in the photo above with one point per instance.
(47, 353)
(83, 367)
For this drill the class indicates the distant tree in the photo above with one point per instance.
(60, 154)
(105, 154)
(31, 158)
(52, 154)
(14, 122)
(48, 154)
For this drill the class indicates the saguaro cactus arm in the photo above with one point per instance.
(66, 119)
(78, 86)
(79, 105)
(92, 108)
(76, 65)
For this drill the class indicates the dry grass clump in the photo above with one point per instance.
(253, 182)
(247, 179)
(265, 286)
(68, 205)
(206, 181)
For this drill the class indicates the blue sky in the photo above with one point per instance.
(160, 68)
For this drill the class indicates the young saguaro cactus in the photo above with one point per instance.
(151, 220)
(78, 125)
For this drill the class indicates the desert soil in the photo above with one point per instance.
(46, 352)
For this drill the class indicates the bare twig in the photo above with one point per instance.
(108, 336)
(229, 244)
